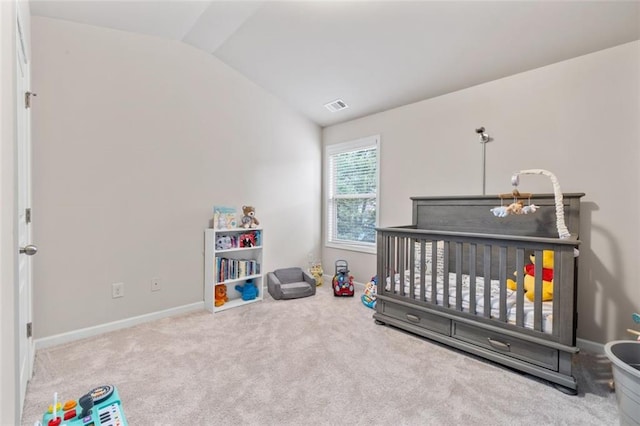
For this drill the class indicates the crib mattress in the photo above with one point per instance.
(510, 300)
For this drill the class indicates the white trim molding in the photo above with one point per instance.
(83, 333)
(590, 346)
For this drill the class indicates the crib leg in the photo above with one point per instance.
(565, 390)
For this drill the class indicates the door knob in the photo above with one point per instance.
(29, 250)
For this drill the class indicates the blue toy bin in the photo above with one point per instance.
(625, 358)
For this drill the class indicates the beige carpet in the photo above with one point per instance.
(314, 361)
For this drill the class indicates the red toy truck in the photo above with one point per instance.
(342, 282)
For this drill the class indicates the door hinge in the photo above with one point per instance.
(27, 215)
(29, 329)
(27, 99)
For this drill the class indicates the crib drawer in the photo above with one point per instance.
(506, 345)
(419, 318)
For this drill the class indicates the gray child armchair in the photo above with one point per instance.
(290, 283)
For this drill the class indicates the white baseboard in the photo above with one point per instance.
(83, 333)
(590, 346)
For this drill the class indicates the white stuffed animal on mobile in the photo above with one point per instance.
(500, 211)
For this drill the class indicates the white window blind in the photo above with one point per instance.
(352, 194)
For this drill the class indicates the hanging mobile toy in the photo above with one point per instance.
(517, 207)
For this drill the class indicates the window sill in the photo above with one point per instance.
(353, 247)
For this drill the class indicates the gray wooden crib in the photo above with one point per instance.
(445, 278)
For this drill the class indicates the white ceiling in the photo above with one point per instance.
(374, 55)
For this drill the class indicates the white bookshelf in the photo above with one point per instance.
(212, 275)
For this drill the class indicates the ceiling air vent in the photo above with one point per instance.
(336, 105)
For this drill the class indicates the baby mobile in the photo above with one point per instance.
(517, 205)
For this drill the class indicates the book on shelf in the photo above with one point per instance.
(232, 269)
(225, 217)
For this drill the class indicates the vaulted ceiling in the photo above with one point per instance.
(374, 55)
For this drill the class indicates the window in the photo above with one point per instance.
(352, 194)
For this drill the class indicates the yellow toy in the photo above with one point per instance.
(529, 278)
(316, 271)
(220, 295)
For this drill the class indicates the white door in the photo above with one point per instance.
(23, 135)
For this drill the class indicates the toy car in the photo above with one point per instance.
(342, 282)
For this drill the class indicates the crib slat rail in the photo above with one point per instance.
(430, 267)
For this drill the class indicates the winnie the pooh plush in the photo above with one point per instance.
(316, 271)
(220, 295)
(529, 277)
(249, 219)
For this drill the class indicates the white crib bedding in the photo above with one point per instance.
(510, 301)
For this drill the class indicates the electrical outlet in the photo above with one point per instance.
(117, 290)
(155, 284)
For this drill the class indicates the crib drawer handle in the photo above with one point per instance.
(413, 318)
(499, 345)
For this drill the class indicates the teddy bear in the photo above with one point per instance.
(220, 295)
(515, 208)
(249, 219)
(504, 211)
(529, 277)
(249, 290)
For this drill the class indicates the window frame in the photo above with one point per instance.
(329, 212)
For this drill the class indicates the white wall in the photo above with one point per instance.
(579, 119)
(134, 140)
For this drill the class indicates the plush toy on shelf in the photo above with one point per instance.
(220, 295)
(529, 277)
(249, 219)
(249, 290)
(224, 242)
(247, 240)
